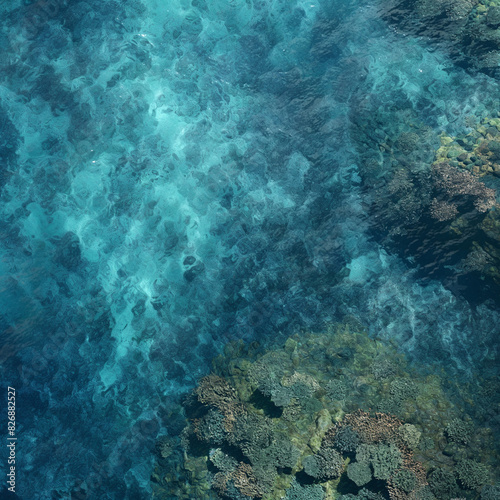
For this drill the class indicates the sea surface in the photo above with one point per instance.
(177, 174)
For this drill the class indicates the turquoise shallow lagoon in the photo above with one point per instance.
(178, 174)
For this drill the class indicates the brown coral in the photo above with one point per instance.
(219, 482)
(385, 428)
(246, 482)
(461, 183)
(215, 391)
(409, 463)
(377, 428)
(443, 210)
(231, 413)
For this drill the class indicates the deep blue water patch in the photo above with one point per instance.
(179, 174)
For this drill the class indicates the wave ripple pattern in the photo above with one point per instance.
(177, 174)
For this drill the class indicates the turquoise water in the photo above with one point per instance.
(177, 174)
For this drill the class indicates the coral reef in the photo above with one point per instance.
(179, 174)
(459, 431)
(435, 200)
(410, 435)
(363, 494)
(239, 443)
(472, 474)
(443, 484)
(299, 492)
(384, 459)
(328, 464)
(405, 480)
(461, 185)
(336, 389)
(359, 472)
(490, 492)
(346, 439)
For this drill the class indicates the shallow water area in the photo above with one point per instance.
(178, 175)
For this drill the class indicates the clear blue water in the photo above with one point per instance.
(177, 174)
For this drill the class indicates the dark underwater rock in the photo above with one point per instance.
(68, 252)
(194, 271)
(9, 142)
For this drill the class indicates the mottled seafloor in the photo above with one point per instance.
(177, 174)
